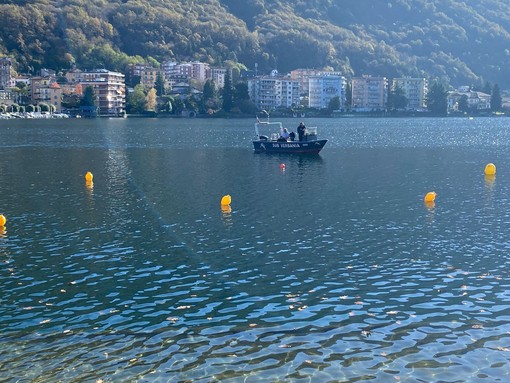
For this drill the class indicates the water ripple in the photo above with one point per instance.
(332, 270)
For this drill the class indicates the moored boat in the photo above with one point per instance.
(275, 142)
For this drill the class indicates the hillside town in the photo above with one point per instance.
(51, 94)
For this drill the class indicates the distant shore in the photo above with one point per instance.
(46, 115)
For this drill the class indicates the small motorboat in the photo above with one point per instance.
(273, 141)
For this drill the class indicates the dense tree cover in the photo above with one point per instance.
(437, 100)
(397, 98)
(457, 42)
(496, 101)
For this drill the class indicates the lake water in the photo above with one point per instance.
(330, 270)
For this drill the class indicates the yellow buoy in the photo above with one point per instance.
(225, 201)
(430, 197)
(490, 169)
(3, 220)
(89, 177)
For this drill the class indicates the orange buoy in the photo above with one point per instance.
(225, 200)
(3, 220)
(490, 169)
(89, 177)
(430, 197)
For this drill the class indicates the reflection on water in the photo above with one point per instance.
(333, 270)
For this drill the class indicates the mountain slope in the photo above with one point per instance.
(462, 42)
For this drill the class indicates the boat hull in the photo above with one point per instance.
(295, 147)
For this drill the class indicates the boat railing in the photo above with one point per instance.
(311, 131)
(270, 124)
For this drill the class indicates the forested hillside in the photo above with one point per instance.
(461, 42)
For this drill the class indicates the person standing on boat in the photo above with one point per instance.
(301, 129)
(285, 134)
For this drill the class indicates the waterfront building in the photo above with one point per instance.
(7, 99)
(273, 92)
(323, 88)
(415, 90)
(45, 90)
(109, 88)
(369, 93)
(476, 101)
(303, 76)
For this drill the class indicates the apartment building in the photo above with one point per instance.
(303, 76)
(323, 88)
(45, 90)
(415, 90)
(149, 75)
(369, 93)
(218, 76)
(109, 88)
(272, 92)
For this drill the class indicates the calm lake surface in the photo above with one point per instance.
(330, 270)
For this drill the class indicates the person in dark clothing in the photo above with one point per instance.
(301, 129)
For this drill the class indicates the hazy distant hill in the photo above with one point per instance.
(463, 42)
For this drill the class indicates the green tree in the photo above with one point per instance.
(89, 97)
(44, 107)
(151, 100)
(241, 92)
(153, 62)
(177, 105)
(437, 102)
(160, 84)
(463, 104)
(191, 104)
(487, 88)
(397, 99)
(334, 104)
(137, 99)
(242, 100)
(496, 101)
(348, 96)
(209, 97)
(227, 93)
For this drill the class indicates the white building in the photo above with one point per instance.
(322, 89)
(303, 76)
(218, 76)
(272, 92)
(475, 100)
(169, 68)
